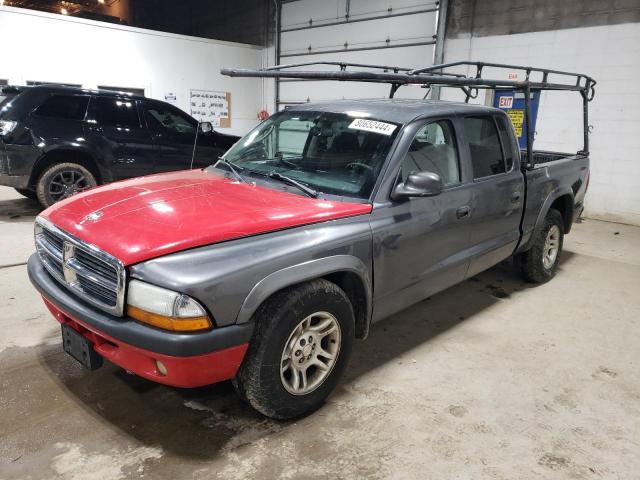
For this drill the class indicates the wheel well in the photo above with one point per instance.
(564, 205)
(353, 286)
(60, 156)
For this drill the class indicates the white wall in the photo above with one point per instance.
(611, 55)
(53, 48)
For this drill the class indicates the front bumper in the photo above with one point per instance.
(191, 359)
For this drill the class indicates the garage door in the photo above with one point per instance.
(381, 32)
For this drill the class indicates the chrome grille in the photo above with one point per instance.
(92, 274)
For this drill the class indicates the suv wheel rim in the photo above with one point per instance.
(310, 353)
(67, 183)
(551, 247)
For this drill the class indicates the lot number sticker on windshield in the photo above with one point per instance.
(372, 126)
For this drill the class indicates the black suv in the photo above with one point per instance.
(56, 141)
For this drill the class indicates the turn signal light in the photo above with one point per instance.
(165, 308)
(169, 323)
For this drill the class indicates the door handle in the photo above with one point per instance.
(515, 196)
(463, 211)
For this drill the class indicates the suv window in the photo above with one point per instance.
(165, 118)
(484, 144)
(116, 112)
(69, 107)
(507, 144)
(433, 150)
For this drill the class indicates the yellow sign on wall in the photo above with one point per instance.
(517, 118)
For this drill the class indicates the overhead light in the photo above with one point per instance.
(100, 1)
(64, 11)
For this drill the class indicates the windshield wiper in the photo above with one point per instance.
(234, 169)
(309, 191)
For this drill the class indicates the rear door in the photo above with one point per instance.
(114, 128)
(498, 193)
(421, 244)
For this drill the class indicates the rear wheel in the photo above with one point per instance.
(61, 181)
(27, 193)
(300, 349)
(539, 263)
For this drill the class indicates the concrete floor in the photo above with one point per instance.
(491, 379)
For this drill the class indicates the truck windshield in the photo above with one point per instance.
(332, 153)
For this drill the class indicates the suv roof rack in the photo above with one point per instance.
(438, 75)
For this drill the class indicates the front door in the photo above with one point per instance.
(175, 134)
(421, 244)
(113, 127)
(498, 194)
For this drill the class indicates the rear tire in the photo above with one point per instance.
(31, 194)
(61, 181)
(299, 350)
(539, 263)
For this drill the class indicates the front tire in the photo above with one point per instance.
(540, 262)
(61, 181)
(300, 348)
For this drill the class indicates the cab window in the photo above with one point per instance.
(507, 143)
(433, 150)
(484, 146)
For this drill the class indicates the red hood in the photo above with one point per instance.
(151, 216)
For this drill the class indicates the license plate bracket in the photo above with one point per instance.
(80, 348)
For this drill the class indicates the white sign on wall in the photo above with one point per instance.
(211, 106)
(171, 98)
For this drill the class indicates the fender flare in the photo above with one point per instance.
(544, 209)
(303, 272)
(56, 148)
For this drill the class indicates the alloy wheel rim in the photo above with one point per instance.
(551, 247)
(310, 353)
(67, 183)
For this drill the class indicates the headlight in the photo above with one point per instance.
(165, 309)
(7, 126)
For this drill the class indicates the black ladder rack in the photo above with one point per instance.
(536, 79)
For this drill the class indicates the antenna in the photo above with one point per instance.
(195, 142)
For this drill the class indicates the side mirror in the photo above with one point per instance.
(420, 184)
(206, 127)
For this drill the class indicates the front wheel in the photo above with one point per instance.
(539, 263)
(299, 350)
(63, 180)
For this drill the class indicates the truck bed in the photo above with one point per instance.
(552, 174)
(541, 157)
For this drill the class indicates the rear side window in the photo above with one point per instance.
(116, 112)
(507, 143)
(484, 145)
(68, 107)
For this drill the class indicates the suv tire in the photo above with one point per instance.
(539, 263)
(297, 330)
(62, 180)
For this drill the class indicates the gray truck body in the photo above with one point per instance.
(399, 254)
